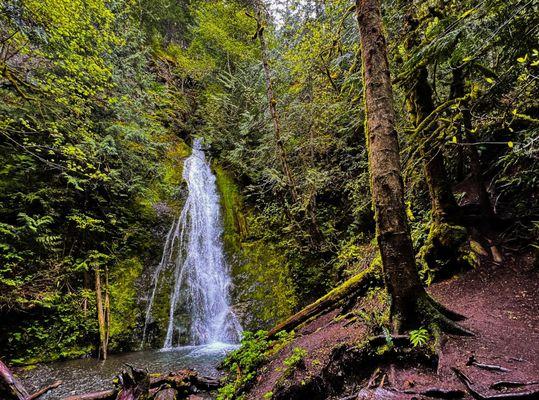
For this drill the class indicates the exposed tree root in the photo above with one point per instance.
(439, 393)
(533, 394)
(434, 313)
(368, 362)
(455, 316)
(500, 385)
(473, 361)
(353, 287)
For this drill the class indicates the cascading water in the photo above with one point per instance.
(193, 248)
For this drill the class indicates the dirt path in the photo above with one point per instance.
(501, 303)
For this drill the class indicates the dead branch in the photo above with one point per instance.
(44, 390)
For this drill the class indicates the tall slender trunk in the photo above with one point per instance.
(420, 106)
(100, 315)
(443, 204)
(393, 234)
(106, 308)
(281, 151)
(476, 173)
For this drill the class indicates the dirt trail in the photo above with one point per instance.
(501, 303)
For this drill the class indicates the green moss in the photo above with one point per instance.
(234, 221)
(263, 288)
(123, 302)
(445, 252)
(170, 173)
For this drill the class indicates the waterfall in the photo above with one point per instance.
(194, 251)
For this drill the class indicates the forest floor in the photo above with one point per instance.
(500, 302)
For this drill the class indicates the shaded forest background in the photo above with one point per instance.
(100, 101)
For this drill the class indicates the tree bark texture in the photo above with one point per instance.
(393, 234)
(101, 319)
(443, 203)
(475, 170)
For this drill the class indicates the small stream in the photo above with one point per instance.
(88, 374)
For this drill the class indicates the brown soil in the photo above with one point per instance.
(500, 303)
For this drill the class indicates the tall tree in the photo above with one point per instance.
(421, 106)
(261, 18)
(410, 304)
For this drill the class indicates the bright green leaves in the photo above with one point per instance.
(419, 337)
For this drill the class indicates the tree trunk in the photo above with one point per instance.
(410, 303)
(443, 204)
(476, 173)
(393, 235)
(281, 152)
(100, 316)
(107, 309)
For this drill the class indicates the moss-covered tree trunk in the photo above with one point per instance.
(387, 187)
(475, 170)
(420, 106)
(443, 204)
(410, 304)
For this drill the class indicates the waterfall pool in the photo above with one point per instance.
(89, 375)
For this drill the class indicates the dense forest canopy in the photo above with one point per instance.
(100, 102)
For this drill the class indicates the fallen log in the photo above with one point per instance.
(134, 384)
(10, 387)
(353, 287)
(186, 381)
(166, 394)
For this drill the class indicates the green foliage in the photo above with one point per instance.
(99, 98)
(242, 365)
(89, 156)
(65, 330)
(295, 359)
(419, 337)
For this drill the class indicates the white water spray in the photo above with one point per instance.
(193, 248)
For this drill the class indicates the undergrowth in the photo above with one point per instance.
(242, 365)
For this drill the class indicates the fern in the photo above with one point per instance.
(419, 337)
